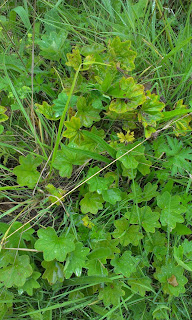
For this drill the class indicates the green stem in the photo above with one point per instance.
(61, 123)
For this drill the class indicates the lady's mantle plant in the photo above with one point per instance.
(126, 214)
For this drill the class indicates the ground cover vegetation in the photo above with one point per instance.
(95, 145)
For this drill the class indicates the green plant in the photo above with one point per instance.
(107, 225)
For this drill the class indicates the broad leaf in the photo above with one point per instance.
(125, 233)
(54, 247)
(172, 279)
(120, 53)
(92, 202)
(112, 293)
(60, 102)
(156, 244)
(98, 183)
(172, 209)
(112, 195)
(140, 284)
(26, 172)
(46, 110)
(16, 273)
(127, 95)
(65, 159)
(53, 271)
(179, 158)
(144, 217)
(74, 59)
(76, 261)
(86, 113)
(139, 195)
(126, 264)
(73, 133)
(31, 284)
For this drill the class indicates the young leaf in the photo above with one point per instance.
(120, 53)
(86, 113)
(56, 194)
(74, 59)
(96, 268)
(121, 264)
(16, 273)
(172, 210)
(73, 133)
(127, 234)
(92, 202)
(54, 247)
(145, 217)
(46, 110)
(26, 172)
(150, 111)
(128, 95)
(3, 116)
(112, 293)
(172, 279)
(53, 271)
(76, 261)
(140, 284)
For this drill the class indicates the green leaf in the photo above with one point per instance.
(127, 234)
(3, 116)
(46, 110)
(112, 293)
(86, 113)
(96, 268)
(17, 273)
(181, 126)
(100, 141)
(53, 45)
(139, 195)
(53, 271)
(56, 194)
(183, 255)
(121, 264)
(140, 284)
(110, 244)
(30, 284)
(54, 247)
(179, 158)
(112, 195)
(92, 202)
(127, 95)
(76, 261)
(181, 230)
(73, 133)
(98, 183)
(133, 157)
(17, 239)
(60, 102)
(74, 59)
(6, 303)
(144, 217)
(26, 172)
(172, 210)
(156, 244)
(150, 111)
(65, 159)
(172, 279)
(120, 53)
